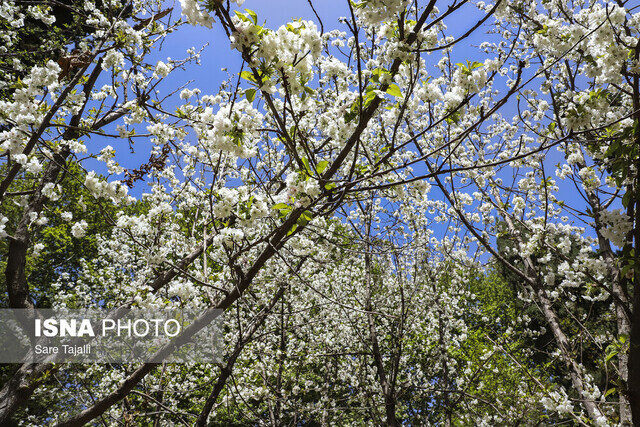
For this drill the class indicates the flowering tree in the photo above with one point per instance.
(399, 231)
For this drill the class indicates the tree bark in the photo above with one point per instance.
(633, 382)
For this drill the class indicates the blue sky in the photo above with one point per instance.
(218, 54)
(219, 62)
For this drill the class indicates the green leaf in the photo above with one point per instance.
(304, 218)
(293, 229)
(253, 16)
(330, 185)
(359, 5)
(242, 16)
(305, 162)
(248, 75)
(611, 351)
(377, 73)
(370, 96)
(610, 391)
(352, 113)
(394, 90)
(250, 94)
(453, 118)
(283, 209)
(18, 84)
(543, 30)
(322, 165)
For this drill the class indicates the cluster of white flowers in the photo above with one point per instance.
(372, 12)
(240, 202)
(51, 191)
(24, 110)
(162, 69)
(79, 229)
(230, 235)
(11, 14)
(232, 131)
(590, 180)
(618, 224)
(113, 58)
(289, 42)
(301, 188)
(333, 67)
(471, 81)
(195, 15)
(41, 13)
(557, 401)
(3, 225)
(113, 190)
